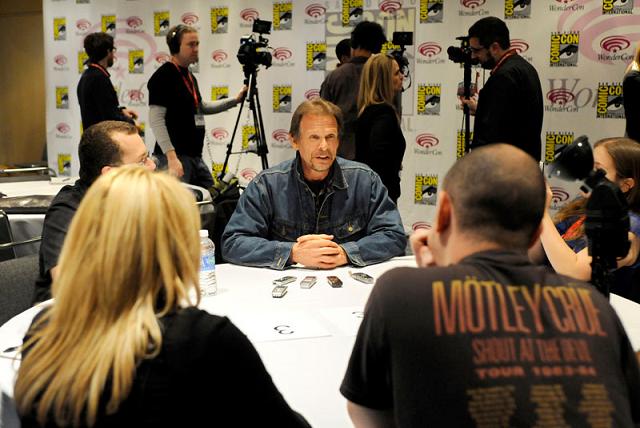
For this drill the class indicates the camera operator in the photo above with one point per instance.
(509, 107)
(341, 85)
(565, 243)
(176, 110)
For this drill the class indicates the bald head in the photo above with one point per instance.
(498, 195)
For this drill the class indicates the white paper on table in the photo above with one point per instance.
(347, 319)
(285, 325)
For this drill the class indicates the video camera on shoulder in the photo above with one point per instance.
(253, 51)
(462, 54)
(402, 39)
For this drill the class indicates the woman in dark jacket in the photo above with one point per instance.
(379, 140)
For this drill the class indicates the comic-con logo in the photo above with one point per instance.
(316, 56)
(109, 24)
(62, 97)
(133, 96)
(190, 18)
(82, 26)
(559, 196)
(282, 16)
(426, 189)
(427, 144)
(311, 94)
(421, 225)
(617, 7)
(161, 23)
(429, 99)
(136, 61)
(64, 164)
(315, 13)
(134, 24)
(62, 130)
(553, 141)
(219, 92)
(59, 28)
(517, 9)
(431, 11)
(351, 13)
(280, 138)
(282, 98)
(429, 53)
(247, 17)
(249, 138)
(461, 147)
(610, 101)
(83, 60)
(612, 47)
(282, 57)
(219, 20)
(472, 8)
(564, 49)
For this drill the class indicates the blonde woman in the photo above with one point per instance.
(631, 96)
(379, 140)
(123, 343)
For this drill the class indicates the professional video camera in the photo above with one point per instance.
(402, 39)
(462, 54)
(254, 51)
(607, 219)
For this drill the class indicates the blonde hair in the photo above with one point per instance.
(131, 256)
(634, 65)
(376, 82)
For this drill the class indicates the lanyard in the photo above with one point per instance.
(191, 87)
(510, 52)
(99, 67)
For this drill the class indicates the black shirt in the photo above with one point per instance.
(54, 230)
(510, 108)
(167, 88)
(207, 374)
(381, 145)
(492, 341)
(631, 96)
(97, 97)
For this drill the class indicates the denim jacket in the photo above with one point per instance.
(278, 207)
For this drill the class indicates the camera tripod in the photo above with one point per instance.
(251, 81)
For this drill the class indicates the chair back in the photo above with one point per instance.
(17, 284)
(6, 237)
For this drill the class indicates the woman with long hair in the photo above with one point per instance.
(631, 96)
(123, 344)
(379, 140)
(565, 243)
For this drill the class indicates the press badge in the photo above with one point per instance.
(199, 119)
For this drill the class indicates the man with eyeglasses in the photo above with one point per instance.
(509, 107)
(176, 110)
(96, 95)
(103, 146)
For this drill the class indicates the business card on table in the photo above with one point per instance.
(264, 327)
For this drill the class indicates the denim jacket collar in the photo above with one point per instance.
(336, 177)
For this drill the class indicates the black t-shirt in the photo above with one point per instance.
(98, 99)
(207, 374)
(167, 88)
(510, 108)
(631, 99)
(54, 230)
(492, 341)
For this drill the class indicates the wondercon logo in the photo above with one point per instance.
(390, 6)
(134, 22)
(60, 59)
(311, 94)
(219, 134)
(421, 225)
(134, 96)
(427, 140)
(249, 15)
(615, 43)
(83, 25)
(280, 135)
(560, 96)
(282, 54)
(472, 4)
(189, 18)
(520, 45)
(315, 10)
(429, 49)
(248, 174)
(219, 55)
(558, 195)
(63, 128)
(162, 57)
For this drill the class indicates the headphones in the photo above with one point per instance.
(174, 37)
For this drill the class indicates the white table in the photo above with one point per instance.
(307, 371)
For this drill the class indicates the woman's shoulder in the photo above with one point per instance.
(194, 323)
(376, 111)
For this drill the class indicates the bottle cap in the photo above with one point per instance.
(204, 233)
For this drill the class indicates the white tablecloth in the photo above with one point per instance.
(307, 370)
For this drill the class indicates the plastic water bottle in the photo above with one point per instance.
(208, 283)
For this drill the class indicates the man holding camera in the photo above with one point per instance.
(176, 110)
(509, 107)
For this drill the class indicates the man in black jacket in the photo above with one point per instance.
(509, 107)
(96, 95)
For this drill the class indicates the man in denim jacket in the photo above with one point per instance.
(316, 210)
